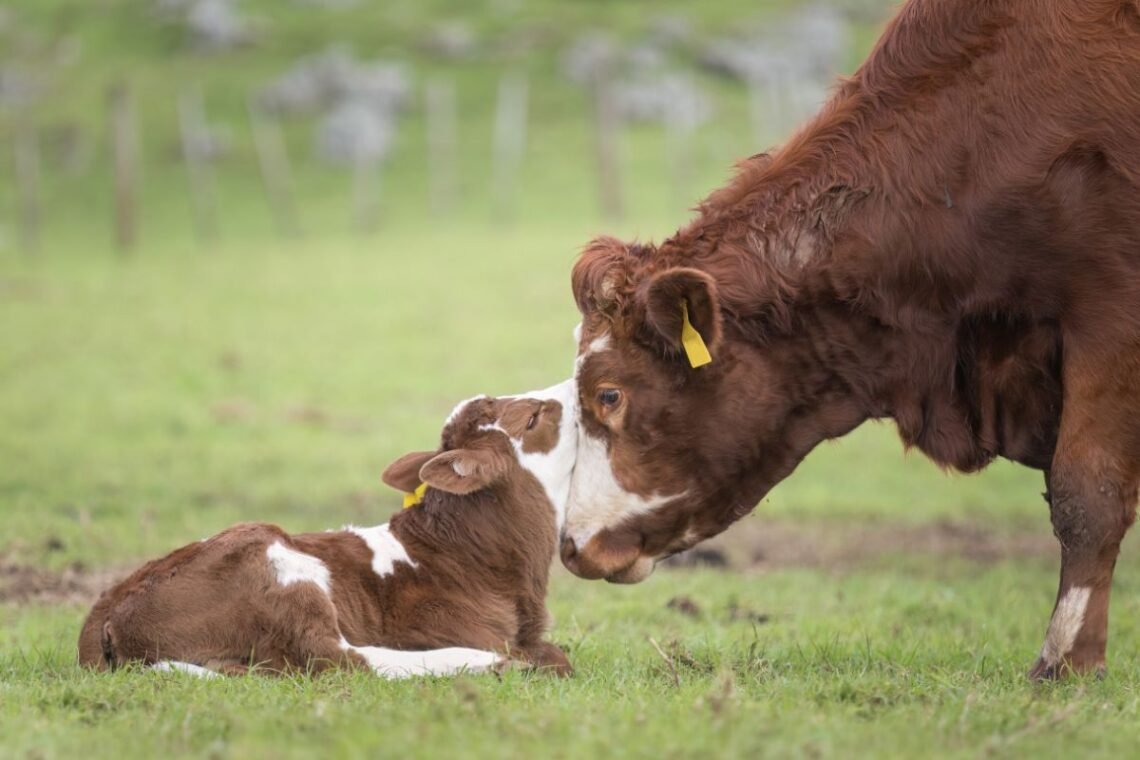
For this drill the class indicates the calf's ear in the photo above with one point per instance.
(404, 473)
(670, 295)
(463, 471)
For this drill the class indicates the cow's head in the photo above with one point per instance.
(668, 453)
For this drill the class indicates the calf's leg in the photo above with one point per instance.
(546, 657)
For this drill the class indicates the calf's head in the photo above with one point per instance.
(521, 441)
(672, 450)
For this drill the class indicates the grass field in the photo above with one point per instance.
(873, 605)
(149, 403)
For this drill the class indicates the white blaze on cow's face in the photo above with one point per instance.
(600, 506)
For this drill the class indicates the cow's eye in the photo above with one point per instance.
(609, 397)
(532, 421)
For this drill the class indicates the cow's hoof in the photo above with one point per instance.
(1043, 671)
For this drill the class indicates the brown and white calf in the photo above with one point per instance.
(457, 583)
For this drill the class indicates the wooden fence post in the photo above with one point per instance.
(192, 127)
(680, 123)
(606, 131)
(366, 194)
(124, 148)
(27, 164)
(276, 171)
(442, 151)
(510, 140)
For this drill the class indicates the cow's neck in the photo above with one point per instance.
(783, 274)
(826, 257)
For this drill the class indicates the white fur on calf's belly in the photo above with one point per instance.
(292, 566)
(1067, 621)
(173, 666)
(395, 663)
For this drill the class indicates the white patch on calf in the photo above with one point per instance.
(597, 500)
(292, 566)
(386, 548)
(173, 666)
(394, 663)
(1067, 621)
(554, 468)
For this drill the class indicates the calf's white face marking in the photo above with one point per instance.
(1067, 621)
(395, 664)
(386, 548)
(292, 566)
(553, 468)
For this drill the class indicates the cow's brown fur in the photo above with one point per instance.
(482, 560)
(953, 242)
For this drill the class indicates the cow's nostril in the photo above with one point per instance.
(569, 553)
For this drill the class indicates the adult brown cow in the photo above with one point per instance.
(952, 242)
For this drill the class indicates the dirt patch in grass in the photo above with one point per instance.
(753, 545)
(761, 545)
(26, 584)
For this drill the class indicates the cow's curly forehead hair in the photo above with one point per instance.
(605, 278)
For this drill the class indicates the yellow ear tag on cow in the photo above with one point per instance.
(694, 344)
(415, 497)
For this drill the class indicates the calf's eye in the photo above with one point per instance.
(532, 421)
(609, 397)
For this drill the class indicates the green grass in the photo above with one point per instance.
(874, 664)
(149, 400)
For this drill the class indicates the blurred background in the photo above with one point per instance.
(252, 250)
(217, 121)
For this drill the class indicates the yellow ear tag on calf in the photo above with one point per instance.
(415, 497)
(694, 344)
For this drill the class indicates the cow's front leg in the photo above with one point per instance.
(1090, 515)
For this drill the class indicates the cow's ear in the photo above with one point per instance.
(404, 473)
(600, 275)
(463, 471)
(674, 294)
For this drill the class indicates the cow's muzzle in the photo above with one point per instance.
(616, 557)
